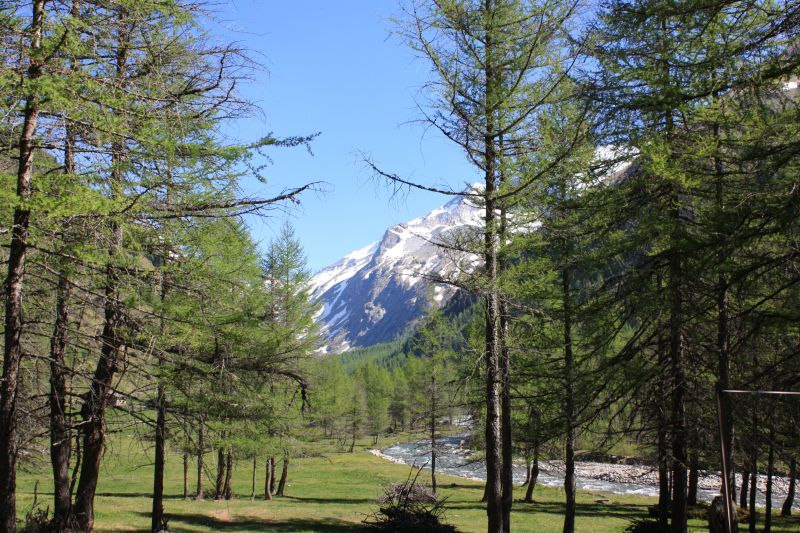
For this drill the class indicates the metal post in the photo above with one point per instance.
(722, 417)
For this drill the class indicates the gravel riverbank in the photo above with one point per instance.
(455, 458)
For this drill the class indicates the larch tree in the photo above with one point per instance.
(674, 82)
(495, 64)
(124, 100)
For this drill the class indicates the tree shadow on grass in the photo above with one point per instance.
(249, 523)
(780, 524)
(338, 501)
(617, 510)
(461, 486)
(148, 495)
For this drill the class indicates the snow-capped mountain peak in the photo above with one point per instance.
(341, 270)
(375, 293)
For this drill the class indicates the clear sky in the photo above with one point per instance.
(335, 67)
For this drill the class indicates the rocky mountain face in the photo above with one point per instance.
(378, 292)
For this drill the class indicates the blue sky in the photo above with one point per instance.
(335, 67)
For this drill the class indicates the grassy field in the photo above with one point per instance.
(331, 493)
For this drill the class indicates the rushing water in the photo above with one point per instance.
(454, 457)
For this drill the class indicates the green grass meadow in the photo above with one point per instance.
(333, 492)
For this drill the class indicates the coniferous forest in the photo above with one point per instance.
(632, 287)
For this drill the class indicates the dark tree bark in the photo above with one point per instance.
(284, 477)
(201, 445)
(745, 488)
(664, 493)
(753, 482)
(679, 455)
(496, 513)
(770, 475)
(433, 433)
(73, 482)
(694, 478)
(507, 472)
(268, 480)
(229, 475)
(494, 504)
(676, 324)
(157, 512)
(271, 476)
(786, 509)
(94, 407)
(534, 475)
(723, 336)
(157, 519)
(60, 437)
(185, 475)
(219, 486)
(14, 283)
(95, 402)
(253, 491)
(569, 404)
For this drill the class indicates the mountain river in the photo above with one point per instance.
(454, 458)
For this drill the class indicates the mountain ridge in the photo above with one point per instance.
(378, 292)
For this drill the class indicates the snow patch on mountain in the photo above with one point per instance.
(341, 270)
(375, 293)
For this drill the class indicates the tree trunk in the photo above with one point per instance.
(534, 475)
(770, 474)
(676, 327)
(60, 438)
(93, 410)
(723, 337)
(569, 404)
(228, 475)
(219, 485)
(14, 282)
(94, 406)
(433, 433)
(753, 482)
(60, 435)
(74, 479)
(786, 510)
(494, 489)
(527, 471)
(664, 494)
(253, 489)
(268, 479)
(745, 488)
(272, 476)
(157, 518)
(694, 476)
(507, 471)
(185, 475)
(157, 522)
(494, 432)
(201, 445)
(284, 477)
(679, 455)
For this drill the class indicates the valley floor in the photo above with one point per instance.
(330, 493)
